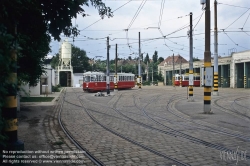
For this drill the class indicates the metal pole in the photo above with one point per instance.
(107, 78)
(180, 73)
(116, 78)
(9, 109)
(147, 70)
(216, 88)
(191, 73)
(173, 72)
(207, 59)
(139, 65)
(152, 75)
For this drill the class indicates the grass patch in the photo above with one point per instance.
(36, 99)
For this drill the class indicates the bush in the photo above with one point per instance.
(56, 88)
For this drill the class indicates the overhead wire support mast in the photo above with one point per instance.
(9, 109)
(107, 78)
(191, 73)
(207, 61)
(216, 87)
(115, 78)
(139, 65)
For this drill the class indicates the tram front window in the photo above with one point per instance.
(87, 79)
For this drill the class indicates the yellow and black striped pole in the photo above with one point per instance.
(190, 87)
(221, 81)
(115, 78)
(9, 110)
(191, 73)
(245, 81)
(216, 77)
(139, 82)
(180, 80)
(207, 59)
(215, 90)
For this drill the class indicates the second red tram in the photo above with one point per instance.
(184, 79)
(96, 81)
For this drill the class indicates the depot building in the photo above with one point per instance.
(233, 70)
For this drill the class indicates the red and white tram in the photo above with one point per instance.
(185, 80)
(96, 81)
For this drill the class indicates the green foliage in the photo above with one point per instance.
(6, 42)
(36, 99)
(155, 57)
(56, 88)
(146, 59)
(55, 61)
(161, 59)
(31, 25)
(79, 60)
(196, 59)
(144, 83)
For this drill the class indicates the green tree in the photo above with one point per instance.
(196, 59)
(79, 60)
(160, 59)
(155, 57)
(55, 61)
(32, 25)
(146, 59)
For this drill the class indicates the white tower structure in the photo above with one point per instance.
(65, 62)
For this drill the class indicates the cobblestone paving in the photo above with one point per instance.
(125, 113)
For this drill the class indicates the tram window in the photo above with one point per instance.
(104, 78)
(186, 78)
(93, 78)
(86, 78)
(111, 78)
(197, 78)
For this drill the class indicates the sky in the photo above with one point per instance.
(155, 19)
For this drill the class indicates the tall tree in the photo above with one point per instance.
(146, 59)
(36, 23)
(161, 59)
(155, 57)
(79, 60)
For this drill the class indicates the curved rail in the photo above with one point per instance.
(77, 144)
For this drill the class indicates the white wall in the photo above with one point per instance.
(239, 57)
(50, 75)
(77, 79)
(27, 90)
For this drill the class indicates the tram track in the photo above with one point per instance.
(173, 133)
(218, 147)
(76, 143)
(206, 125)
(231, 110)
(87, 110)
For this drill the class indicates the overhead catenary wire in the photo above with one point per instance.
(234, 42)
(246, 20)
(102, 18)
(161, 13)
(233, 5)
(238, 18)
